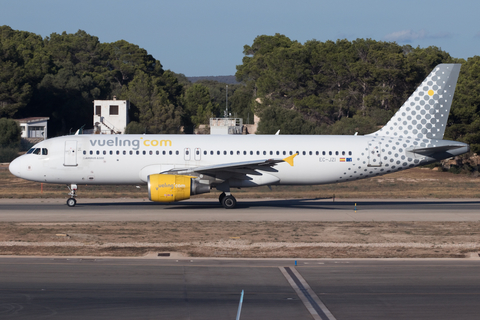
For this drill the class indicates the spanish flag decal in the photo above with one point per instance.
(342, 159)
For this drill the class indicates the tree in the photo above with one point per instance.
(155, 111)
(10, 133)
(198, 107)
(464, 120)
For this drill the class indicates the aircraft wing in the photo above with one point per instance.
(234, 166)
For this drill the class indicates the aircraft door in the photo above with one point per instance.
(187, 154)
(70, 158)
(374, 153)
(198, 155)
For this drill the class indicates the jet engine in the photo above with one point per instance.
(169, 187)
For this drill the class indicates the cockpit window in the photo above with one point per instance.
(44, 151)
(36, 151)
(30, 151)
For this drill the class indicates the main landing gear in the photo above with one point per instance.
(227, 200)
(71, 202)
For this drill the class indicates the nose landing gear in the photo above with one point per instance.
(71, 202)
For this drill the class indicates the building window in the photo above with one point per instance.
(114, 110)
(98, 111)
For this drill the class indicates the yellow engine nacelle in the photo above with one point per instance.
(169, 187)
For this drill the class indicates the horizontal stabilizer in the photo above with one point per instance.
(437, 149)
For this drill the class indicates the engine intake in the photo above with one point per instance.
(170, 188)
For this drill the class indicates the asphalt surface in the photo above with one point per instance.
(60, 288)
(163, 288)
(22, 210)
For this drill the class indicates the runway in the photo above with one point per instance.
(106, 288)
(47, 210)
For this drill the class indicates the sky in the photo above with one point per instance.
(206, 37)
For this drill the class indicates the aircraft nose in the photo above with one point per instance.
(16, 167)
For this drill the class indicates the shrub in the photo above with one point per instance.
(8, 154)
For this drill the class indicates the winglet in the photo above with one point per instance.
(289, 159)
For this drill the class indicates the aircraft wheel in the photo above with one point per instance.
(220, 198)
(229, 202)
(71, 202)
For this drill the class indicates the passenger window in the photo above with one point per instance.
(150, 152)
(131, 152)
(111, 152)
(177, 153)
(118, 152)
(157, 152)
(211, 152)
(164, 152)
(144, 152)
(291, 152)
(264, 153)
(330, 153)
(251, 152)
(231, 153)
(278, 153)
(124, 152)
(205, 152)
(244, 152)
(137, 152)
(238, 152)
(98, 152)
(84, 152)
(349, 153)
(187, 152)
(304, 153)
(104, 152)
(224, 152)
(343, 153)
(271, 153)
(218, 152)
(284, 153)
(336, 153)
(170, 152)
(197, 152)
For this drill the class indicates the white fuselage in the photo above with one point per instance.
(129, 159)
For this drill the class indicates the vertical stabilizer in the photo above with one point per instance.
(424, 115)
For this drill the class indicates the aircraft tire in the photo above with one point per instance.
(220, 198)
(229, 202)
(71, 202)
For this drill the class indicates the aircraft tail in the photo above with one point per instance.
(424, 115)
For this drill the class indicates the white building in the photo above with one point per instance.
(34, 127)
(110, 116)
(226, 125)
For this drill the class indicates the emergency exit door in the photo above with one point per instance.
(374, 154)
(70, 153)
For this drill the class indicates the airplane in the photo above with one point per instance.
(175, 167)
